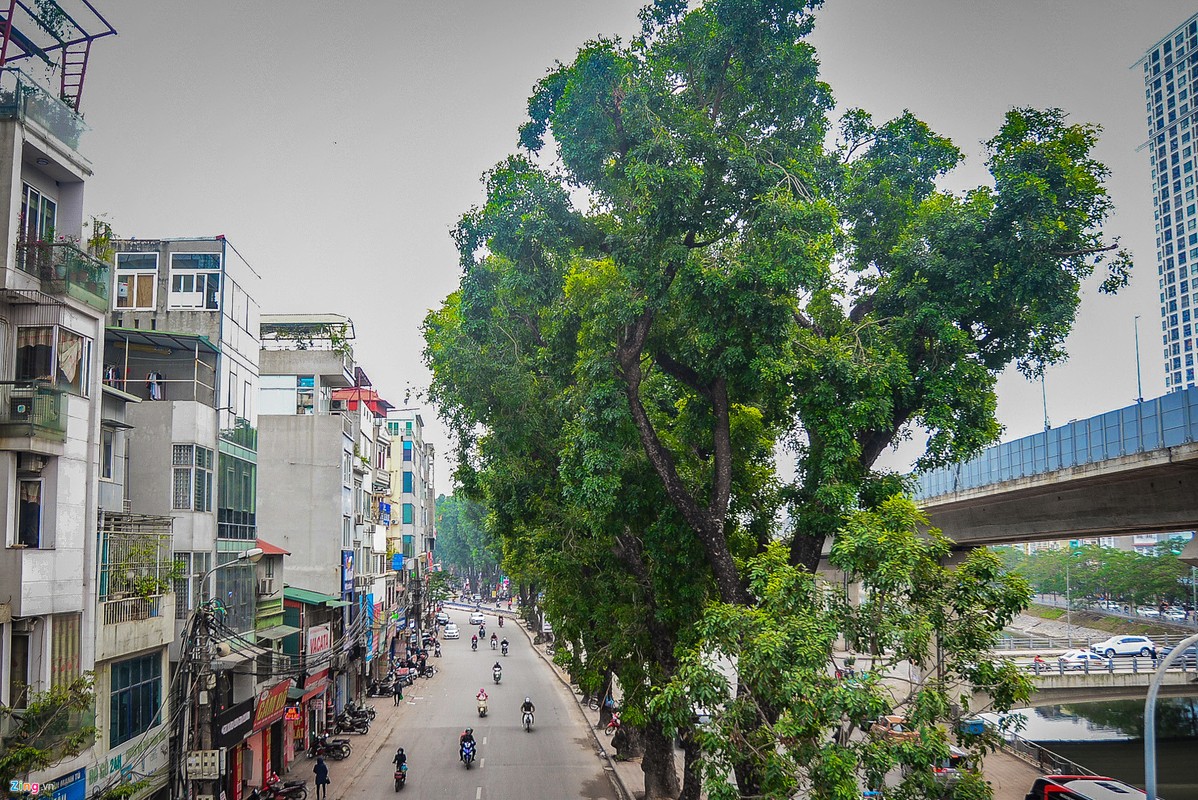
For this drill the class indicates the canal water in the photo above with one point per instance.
(1108, 738)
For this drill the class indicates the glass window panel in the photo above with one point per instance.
(207, 261)
(29, 512)
(35, 353)
(144, 261)
(181, 496)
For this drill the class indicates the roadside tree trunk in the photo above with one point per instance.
(661, 774)
(690, 773)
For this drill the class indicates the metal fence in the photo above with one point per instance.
(1167, 421)
(1045, 760)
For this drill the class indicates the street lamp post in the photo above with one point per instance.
(1150, 713)
(1068, 597)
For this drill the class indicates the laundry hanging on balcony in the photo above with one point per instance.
(154, 386)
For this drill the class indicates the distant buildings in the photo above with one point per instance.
(1170, 79)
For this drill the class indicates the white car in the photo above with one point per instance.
(1176, 615)
(477, 619)
(1079, 659)
(442, 618)
(1148, 611)
(1125, 646)
(451, 631)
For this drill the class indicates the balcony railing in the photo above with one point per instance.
(33, 409)
(22, 98)
(131, 609)
(64, 269)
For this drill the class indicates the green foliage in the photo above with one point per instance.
(52, 726)
(619, 376)
(1110, 573)
(440, 587)
(463, 542)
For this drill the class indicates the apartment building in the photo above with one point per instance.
(413, 504)
(1170, 70)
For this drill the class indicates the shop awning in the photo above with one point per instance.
(277, 632)
(311, 598)
(307, 692)
(232, 660)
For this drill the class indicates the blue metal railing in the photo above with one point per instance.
(1167, 421)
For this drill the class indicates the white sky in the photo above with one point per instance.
(336, 143)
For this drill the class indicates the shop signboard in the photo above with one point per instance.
(72, 786)
(368, 608)
(272, 704)
(233, 724)
(397, 562)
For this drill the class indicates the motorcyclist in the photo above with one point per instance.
(503, 645)
(466, 737)
(437, 649)
(400, 759)
(481, 696)
(473, 642)
(494, 640)
(527, 707)
(501, 622)
(498, 668)
(482, 631)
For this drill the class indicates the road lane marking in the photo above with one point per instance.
(478, 793)
(484, 740)
(482, 762)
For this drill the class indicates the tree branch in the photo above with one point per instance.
(1085, 251)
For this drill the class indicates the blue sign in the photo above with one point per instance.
(397, 562)
(369, 602)
(72, 786)
(347, 571)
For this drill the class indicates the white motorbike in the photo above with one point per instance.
(527, 721)
(482, 707)
(496, 674)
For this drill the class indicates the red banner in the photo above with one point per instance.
(272, 705)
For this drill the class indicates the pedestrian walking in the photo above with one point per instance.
(398, 691)
(322, 778)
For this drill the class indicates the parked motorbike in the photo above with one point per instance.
(428, 671)
(496, 674)
(362, 710)
(346, 724)
(401, 777)
(467, 753)
(613, 724)
(336, 749)
(382, 688)
(482, 707)
(288, 790)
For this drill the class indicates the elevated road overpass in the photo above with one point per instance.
(1132, 470)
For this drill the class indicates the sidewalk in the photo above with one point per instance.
(343, 774)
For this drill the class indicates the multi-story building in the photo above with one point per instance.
(413, 505)
(1170, 80)
(53, 294)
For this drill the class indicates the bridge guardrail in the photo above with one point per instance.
(1045, 760)
(1133, 665)
(1037, 643)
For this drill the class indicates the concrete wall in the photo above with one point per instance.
(300, 497)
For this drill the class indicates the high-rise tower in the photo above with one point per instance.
(1170, 79)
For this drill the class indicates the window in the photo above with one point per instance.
(18, 670)
(195, 280)
(305, 394)
(393, 427)
(66, 642)
(54, 354)
(136, 697)
(107, 453)
(408, 482)
(29, 512)
(409, 513)
(38, 215)
(407, 451)
(192, 484)
(136, 280)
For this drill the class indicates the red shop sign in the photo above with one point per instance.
(272, 704)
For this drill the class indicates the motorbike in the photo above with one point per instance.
(496, 674)
(482, 631)
(346, 724)
(336, 749)
(613, 724)
(467, 753)
(501, 618)
(363, 710)
(437, 650)
(503, 648)
(474, 644)
(527, 721)
(428, 671)
(482, 707)
(381, 688)
(285, 790)
(401, 777)
(494, 644)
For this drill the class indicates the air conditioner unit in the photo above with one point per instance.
(357, 519)
(266, 586)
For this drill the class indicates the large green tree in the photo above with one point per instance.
(723, 281)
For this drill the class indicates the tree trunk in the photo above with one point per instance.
(690, 768)
(661, 774)
(628, 743)
(604, 692)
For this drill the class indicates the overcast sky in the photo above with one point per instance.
(336, 143)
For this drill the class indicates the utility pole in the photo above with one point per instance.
(1139, 387)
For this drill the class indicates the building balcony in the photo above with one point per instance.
(24, 99)
(33, 417)
(67, 271)
(130, 624)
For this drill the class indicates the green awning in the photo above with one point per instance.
(277, 632)
(309, 597)
(337, 603)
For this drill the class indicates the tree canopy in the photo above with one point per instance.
(688, 270)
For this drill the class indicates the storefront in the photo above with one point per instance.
(265, 741)
(229, 732)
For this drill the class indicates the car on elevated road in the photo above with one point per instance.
(1081, 659)
(1125, 646)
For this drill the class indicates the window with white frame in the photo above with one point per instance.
(192, 478)
(107, 453)
(29, 512)
(136, 281)
(38, 215)
(195, 280)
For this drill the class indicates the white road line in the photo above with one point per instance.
(478, 793)
(484, 740)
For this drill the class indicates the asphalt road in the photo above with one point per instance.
(557, 759)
